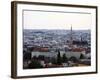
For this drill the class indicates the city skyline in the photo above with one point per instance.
(56, 48)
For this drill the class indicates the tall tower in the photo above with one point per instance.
(71, 38)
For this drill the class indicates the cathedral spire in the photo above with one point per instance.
(71, 38)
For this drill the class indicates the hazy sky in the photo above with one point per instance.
(56, 20)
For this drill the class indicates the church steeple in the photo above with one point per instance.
(71, 38)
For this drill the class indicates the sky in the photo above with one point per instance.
(56, 20)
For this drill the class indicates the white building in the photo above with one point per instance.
(54, 54)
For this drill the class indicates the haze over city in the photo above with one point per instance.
(55, 20)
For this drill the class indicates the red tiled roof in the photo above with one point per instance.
(41, 49)
(78, 49)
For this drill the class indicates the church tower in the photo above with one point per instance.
(71, 38)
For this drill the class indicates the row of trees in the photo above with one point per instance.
(58, 60)
(27, 56)
(61, 59)
(65, 59)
